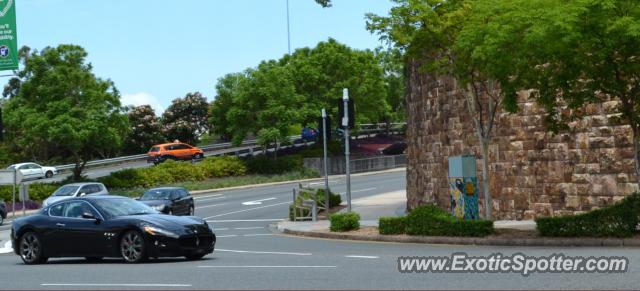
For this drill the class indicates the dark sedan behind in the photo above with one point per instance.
(169, 200)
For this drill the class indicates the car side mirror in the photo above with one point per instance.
(82, 194)
(88, 215)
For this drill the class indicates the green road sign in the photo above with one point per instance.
(8, 36)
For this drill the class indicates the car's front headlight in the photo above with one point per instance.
(158, 207)
(159, 231)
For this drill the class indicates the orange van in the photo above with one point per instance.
(173, 151)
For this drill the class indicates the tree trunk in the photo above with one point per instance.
(636, 147)
(484, 144)
(77, 170)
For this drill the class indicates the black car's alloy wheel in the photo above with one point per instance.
(191, 211)
(31, 249)
(132, 247)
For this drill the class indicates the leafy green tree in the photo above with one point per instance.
(430, 33)
(186, 118)
(228, 88)
(321, 73)
(392, 63)
(61, 109)
(145, 130)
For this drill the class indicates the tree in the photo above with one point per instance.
(145, 130)
(321, 73)
(392, 62)
(430, 33)
(186, 118)
(324, 3)
(578, 52)
(229, 89)
(60, 108)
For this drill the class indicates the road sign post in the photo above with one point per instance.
(326, 163)
(345, 124)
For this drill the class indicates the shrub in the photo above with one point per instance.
(123, 179)
(433, 221)
(392, 225)
(269, 166)
(334, 199)
(344, 221)
(223, 167)
(619, 220)
(301, 212)
(37, 192)
(182, 171)
(318, 196)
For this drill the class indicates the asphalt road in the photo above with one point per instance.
(250, 256)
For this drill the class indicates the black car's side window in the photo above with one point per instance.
(56, 210)
(76, 209)
(174, 195)
(183, 193)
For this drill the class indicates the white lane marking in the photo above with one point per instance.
(257, 202)
(267, 266)
(7, 248)
(200, 197)
(258, 234)
(255, 227)
(362, 257)
(231, 235)
(360, 190)
(322, 183)
(224, 228)
(245, 210)
(213, 205)
(267, 253)
(115, 285)
(215, 198)
(246, 220)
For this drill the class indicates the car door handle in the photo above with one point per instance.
(60, 224)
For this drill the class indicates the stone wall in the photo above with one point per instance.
(533, 172)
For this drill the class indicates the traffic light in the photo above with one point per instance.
(352, 115)
(320, 127)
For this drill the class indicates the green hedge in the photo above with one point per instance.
(619, 220)
(344, 221)
(172, 172)
(433, 221)
(271, 166)
(37, 191)
(392, 225)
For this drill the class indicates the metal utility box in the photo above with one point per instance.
(463, 186)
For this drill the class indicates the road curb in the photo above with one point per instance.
(207, 191)
(481, 241)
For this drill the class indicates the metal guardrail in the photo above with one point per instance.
(362, 129)
(337, 164)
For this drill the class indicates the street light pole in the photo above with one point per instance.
(345, 124)
(288, 30)
(326, 171)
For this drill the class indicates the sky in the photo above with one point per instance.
(159, 50)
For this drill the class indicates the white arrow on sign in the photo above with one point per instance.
(256, 202)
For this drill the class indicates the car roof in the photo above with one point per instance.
(165, 188)
(20, 164)
(81, 184)
(98, 197)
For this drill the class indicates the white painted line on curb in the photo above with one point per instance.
(208, 199)
(115, 285)
(360, 190)
(7, 248)
(362, 257)
(257, 202)
(200, 197)
(259, 234)
(247, 220)
(266, 253)
(213, 205)
(255, 227)
(267, 266)
(245, 210)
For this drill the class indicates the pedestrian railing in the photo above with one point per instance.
(337, 164)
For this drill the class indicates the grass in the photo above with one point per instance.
(226, 182)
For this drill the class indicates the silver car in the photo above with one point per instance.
(76, 190)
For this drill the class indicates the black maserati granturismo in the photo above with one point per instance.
(108, 226)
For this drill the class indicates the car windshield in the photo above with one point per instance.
(123, 207)
(154, 149)
(157, 194)
(65, 191)
(11, 167)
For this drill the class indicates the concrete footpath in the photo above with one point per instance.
(522, 233)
